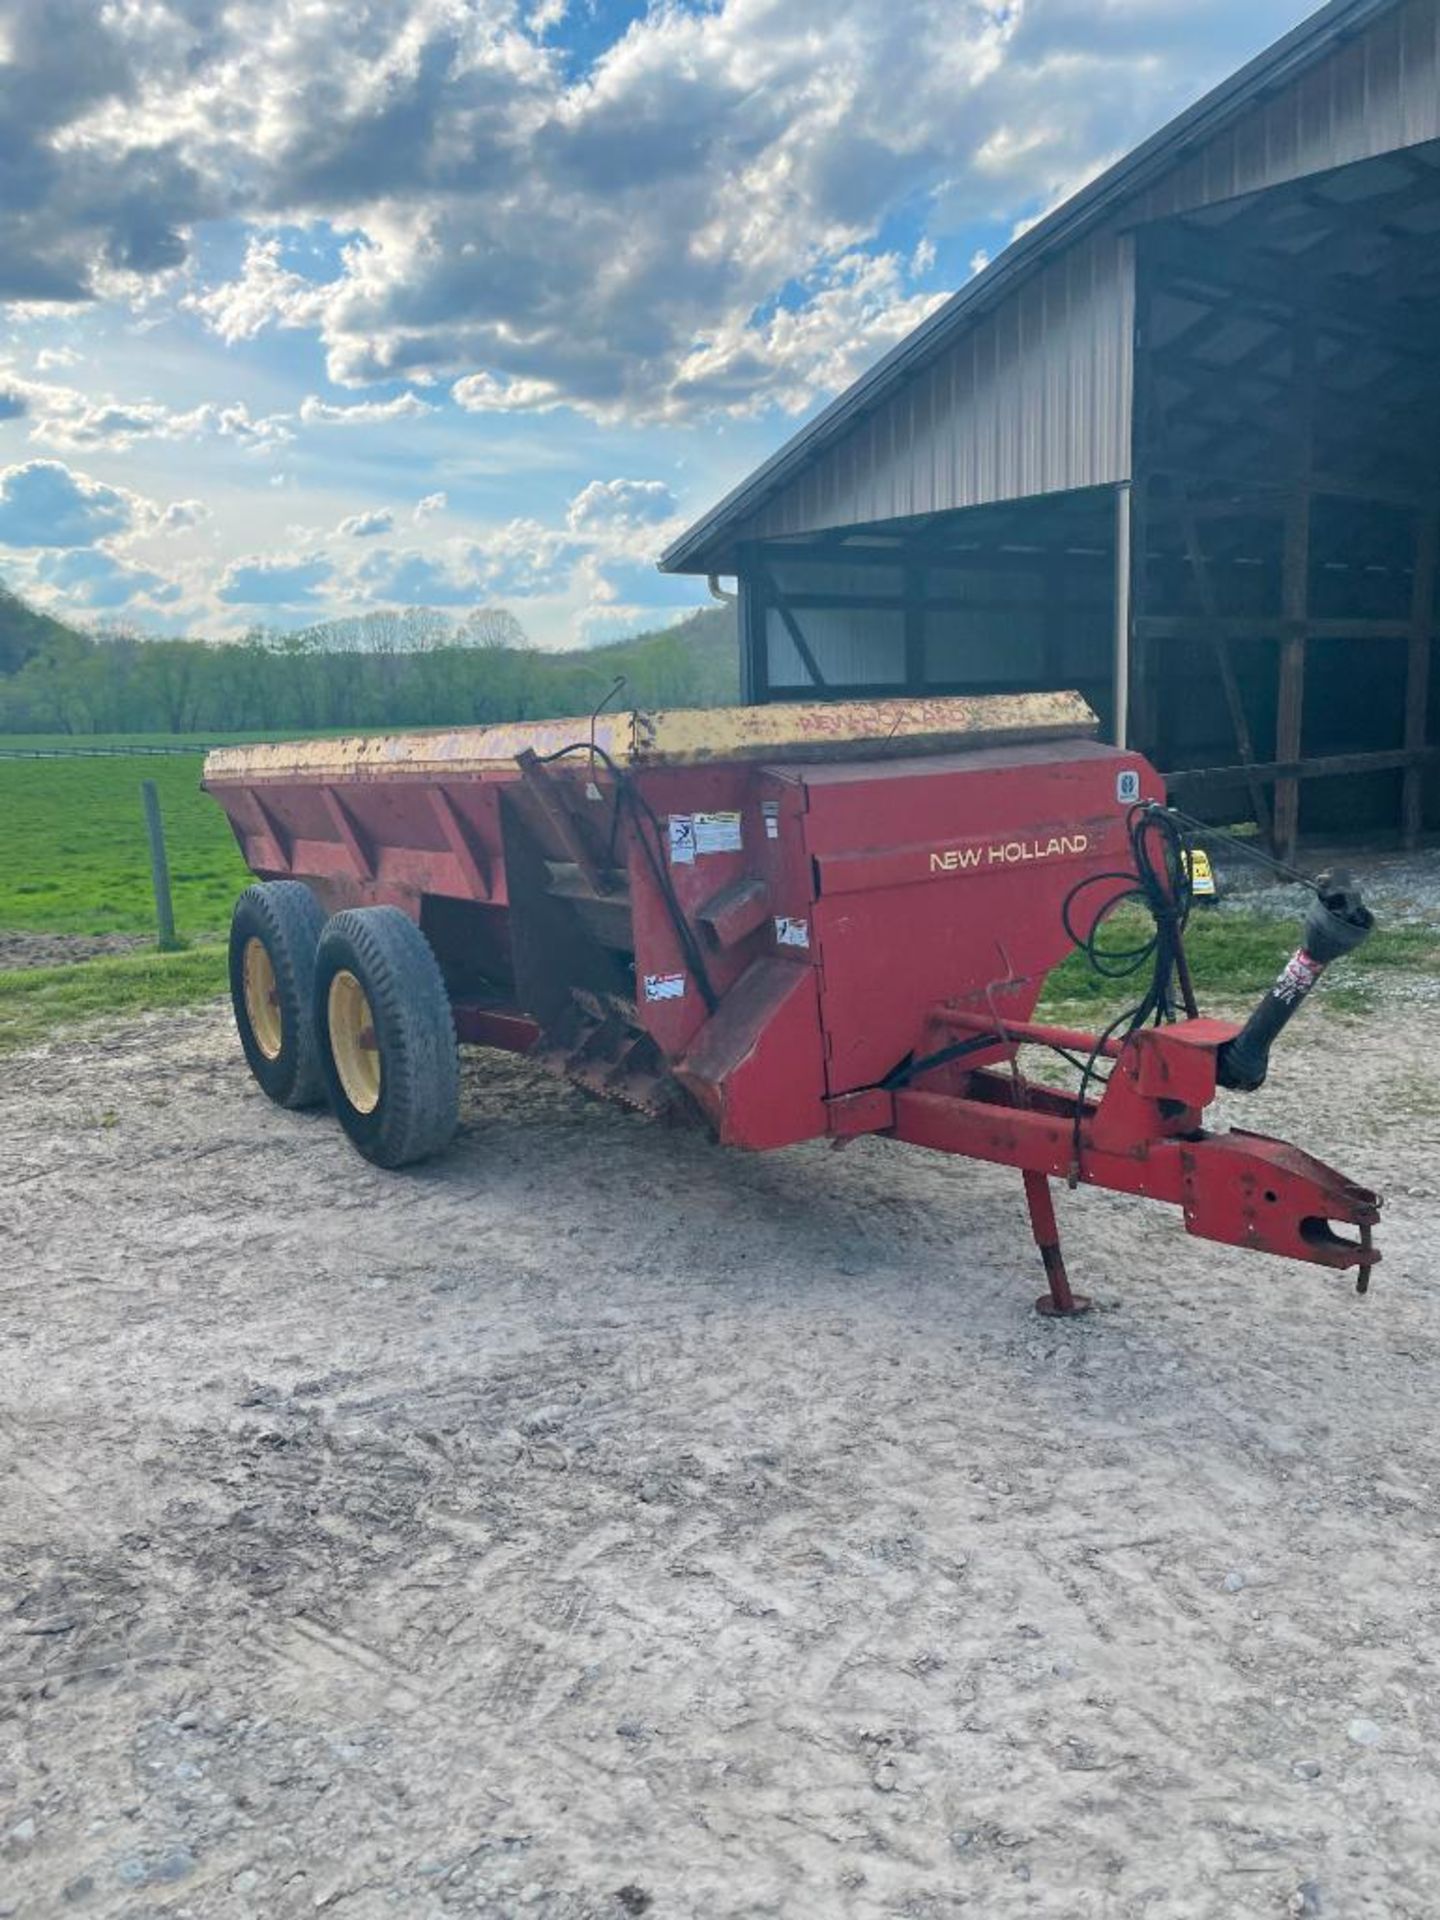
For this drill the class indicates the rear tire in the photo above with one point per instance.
(274, 933)
(385, 1036)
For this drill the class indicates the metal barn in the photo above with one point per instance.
(1178, 446)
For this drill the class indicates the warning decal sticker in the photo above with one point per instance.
(717, 833)
(682, 840)
(792, 933)
(664, 986)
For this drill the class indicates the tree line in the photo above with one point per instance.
(404, 669)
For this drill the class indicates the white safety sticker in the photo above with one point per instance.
(664, 986)
(1127, 786)
(717, 833)
(592, 792)
(792, 933)
(771, 811)
(682, 840)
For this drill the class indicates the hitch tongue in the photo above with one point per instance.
(1336, 924)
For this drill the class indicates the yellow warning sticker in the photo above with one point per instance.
(1202, 874)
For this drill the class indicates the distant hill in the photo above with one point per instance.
(707, 645)
(24, 632)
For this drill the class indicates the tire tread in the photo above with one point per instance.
(420, 1077)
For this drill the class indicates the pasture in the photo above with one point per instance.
(73, 856)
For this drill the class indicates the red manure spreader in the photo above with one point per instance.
(783, 922)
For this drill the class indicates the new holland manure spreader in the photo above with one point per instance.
(784, 922)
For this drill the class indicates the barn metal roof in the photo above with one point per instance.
(1267, 74)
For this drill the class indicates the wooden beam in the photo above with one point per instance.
(1417, 674)
(1318, 767)
(1271, 626)
(1278, 477)
(1182, 253)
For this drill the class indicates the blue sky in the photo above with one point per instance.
(309, 307)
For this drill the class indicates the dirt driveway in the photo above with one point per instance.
(600, 1524)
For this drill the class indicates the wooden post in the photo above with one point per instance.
(1146, 707)
(754, 646)
(1295, 592)
(1417, 675)
(1120, 678)
(915, 578)
(159, 869)
(1229, 684)
(1290, 707)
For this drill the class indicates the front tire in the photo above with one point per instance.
(385, 1036)
(274, 933)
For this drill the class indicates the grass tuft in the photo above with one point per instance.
(38, 1001)
(1234, 956)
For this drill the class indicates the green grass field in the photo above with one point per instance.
(73, 852)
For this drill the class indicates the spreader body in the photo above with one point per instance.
(772, 919)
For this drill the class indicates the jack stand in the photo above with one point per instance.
(1060, 1302)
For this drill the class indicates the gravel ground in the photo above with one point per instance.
(1402, 888)
(598, 1523)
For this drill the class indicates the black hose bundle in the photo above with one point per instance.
(1159, 881)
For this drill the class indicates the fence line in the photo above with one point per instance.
(102, 753)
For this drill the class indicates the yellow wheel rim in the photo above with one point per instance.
(262, 999)
(353, 1046)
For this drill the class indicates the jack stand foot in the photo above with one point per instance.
(1059, 1303)
(1049, 1308)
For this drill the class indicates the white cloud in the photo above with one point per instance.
(361, 526)
(427, 508)
(265, 294)
(64, 417)
(668, 229)
(804, 352)
(607, 505)
(316, 412)
(546, 15)
(492, 393)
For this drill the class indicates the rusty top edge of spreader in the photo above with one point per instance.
(681, 736)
